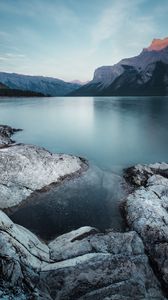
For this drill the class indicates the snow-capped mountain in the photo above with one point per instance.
(45, 85)
(145, 74)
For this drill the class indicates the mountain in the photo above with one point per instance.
(44, 85)
(79, 82)
(145, 74)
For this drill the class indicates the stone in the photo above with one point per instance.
(72, 244)
(88, 240)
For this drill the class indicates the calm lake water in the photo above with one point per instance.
(111, 132)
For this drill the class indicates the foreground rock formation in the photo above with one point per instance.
(146, 212)
(83, 264)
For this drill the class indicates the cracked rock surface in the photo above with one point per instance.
(147, 212)
(82, 264)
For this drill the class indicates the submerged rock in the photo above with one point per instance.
(110, 266)
(147, 212)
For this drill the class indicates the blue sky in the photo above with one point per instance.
(68, 39)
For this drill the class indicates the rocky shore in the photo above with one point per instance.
(83, 264)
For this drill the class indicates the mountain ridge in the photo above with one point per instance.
(139, 69)
(48, 86)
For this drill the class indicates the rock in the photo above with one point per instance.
(139, 174)
(88, 240)
(70, 245)
(113, 267)
(22, 255)
(100, 275)
(19, 235)
(26, 168)
(147, 213)
(5, 135)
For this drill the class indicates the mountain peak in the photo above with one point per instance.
(79, 82)
(158, 44)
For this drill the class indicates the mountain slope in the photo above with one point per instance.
(3, 86)
(145, 74)
(6, 91)
(39, 84)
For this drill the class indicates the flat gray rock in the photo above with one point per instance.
(26, 168)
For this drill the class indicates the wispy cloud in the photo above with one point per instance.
(121, 23)
(12, 57)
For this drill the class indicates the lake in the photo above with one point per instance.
(111, 132)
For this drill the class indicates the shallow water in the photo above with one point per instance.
(111, 132)
(91, 199)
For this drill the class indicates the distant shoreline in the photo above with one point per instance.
(19, 93)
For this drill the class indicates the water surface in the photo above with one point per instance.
(110, 131)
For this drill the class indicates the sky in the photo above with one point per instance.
(69, 39)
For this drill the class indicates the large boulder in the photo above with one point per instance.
(147, 212)
(26, 168)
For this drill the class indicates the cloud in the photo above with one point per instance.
(12, 56)
(122, 22)
(15, 55)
